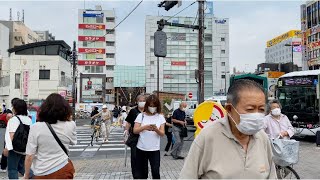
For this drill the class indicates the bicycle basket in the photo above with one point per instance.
(285, 152)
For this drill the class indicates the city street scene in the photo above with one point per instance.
(152, 89)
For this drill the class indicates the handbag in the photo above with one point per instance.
(62, 146)
(184, 132)
(132, 140)
(285, 152)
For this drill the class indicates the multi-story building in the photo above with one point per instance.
(34, 71)
(96, 58)
(279, 49)
(129, 82)
(4, 44)
(20, 34)
(45, 35)
(310, 27)
(177, 69)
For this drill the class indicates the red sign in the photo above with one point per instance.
(92, 26)
(178, 63)
(92, 50)
(91, 38)
(296, 43)
(91, 63)
(190, 95)
(314, 45)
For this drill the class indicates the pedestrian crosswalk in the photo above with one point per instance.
(115, 141)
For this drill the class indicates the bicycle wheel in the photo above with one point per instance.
(287, 173)
(92, 136)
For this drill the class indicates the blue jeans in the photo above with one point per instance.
(15, 165)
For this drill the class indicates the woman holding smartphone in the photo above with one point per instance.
(150, 125)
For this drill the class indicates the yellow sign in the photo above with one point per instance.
(206, 113)
(287, 35)
(275, 74)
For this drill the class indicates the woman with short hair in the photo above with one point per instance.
(49, 159)
(150, 126)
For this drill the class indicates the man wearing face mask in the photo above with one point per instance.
(179, 120)
(277, 125)
(234, 147)
(141, 101)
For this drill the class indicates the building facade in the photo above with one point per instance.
(34, 71)
(45, 35)
(279, 50)
(96, 55)
(310, 27)
(177, 69)
(20, 34)
(4, 44)
(129, 82)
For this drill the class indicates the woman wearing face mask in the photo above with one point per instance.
(235, 147)
(277, 125)
(150, 126)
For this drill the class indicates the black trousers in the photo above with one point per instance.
(142, 165)
(4, 160)
(169, 139)
(134, 162)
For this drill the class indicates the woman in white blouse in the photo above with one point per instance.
(150, 126)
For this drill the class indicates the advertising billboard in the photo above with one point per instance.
(178, 63)
(91, 26)
(92, 50)
(91, 38)
(91, 63)
(287, 35)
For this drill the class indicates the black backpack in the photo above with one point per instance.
(20, 138)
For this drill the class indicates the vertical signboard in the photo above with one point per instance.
(25, 83)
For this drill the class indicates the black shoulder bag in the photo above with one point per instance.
(132, 140)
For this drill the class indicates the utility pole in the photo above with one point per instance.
(201, 51)
(74, 96)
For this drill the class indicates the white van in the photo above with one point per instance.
(219, 99)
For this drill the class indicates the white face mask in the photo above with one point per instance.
(276, 112)
(250, 123)
(184, 109)
(141, 104)
(152, 110)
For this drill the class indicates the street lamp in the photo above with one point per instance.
(292, 45)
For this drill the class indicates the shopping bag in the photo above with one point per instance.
(285, 152)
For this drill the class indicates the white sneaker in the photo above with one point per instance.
(3, 170)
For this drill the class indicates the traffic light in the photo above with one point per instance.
(89, 84)
(169, 4)
(160, 44)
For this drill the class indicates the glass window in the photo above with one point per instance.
(17, 81)
(109, 19)
(110, 43)
(41, 50)
(63, 76)
(110, 55)
(208, 37)
(109, 68)
(223, 51)
(151, 75)
(223, 39)
(44, 74)
(223, 63)
(151, 62)
(99, 19)
(52, 50)
(223, 76)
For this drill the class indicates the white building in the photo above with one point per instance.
(4, 41)
(34, 71)
(278, 52)
(177, 70)
(96, 60)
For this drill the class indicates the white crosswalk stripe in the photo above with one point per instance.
(115, 141)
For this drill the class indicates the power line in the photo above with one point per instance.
(182, 10)
(109, 31)
(195, 18)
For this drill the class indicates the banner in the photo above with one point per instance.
(178, 63)
(91, 63)
(92, 50)
(287, 35)
(92, 15)
(91, 38)
(25, 83)
(91, 26)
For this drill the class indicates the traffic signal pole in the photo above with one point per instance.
(74, 96)
(201, 51)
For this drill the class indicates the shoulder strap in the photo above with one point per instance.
(57, 139)
(19, 119)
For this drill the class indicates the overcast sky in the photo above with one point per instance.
(252, 23)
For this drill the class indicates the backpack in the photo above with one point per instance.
(20, 138)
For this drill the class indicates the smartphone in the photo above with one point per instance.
(154, 125)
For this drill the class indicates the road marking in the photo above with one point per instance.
(111, 149)
(73, 150)
(91, 149)
(109, 145)
(78, 145)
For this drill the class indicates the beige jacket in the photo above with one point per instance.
(217, 154)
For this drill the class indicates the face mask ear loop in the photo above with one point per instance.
(232, 117)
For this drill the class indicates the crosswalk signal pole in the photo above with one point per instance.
(74, 96)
